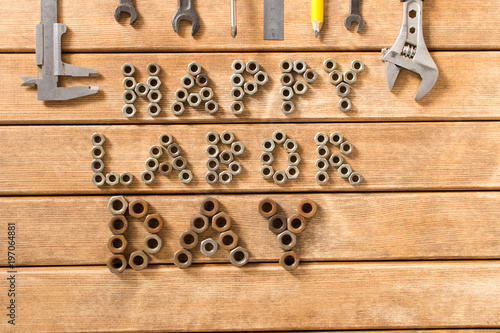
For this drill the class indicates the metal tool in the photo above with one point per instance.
(409, 51)
(273, 19)
(126, 6)
(354, 16)
(234, 31)
(48, 60)
(185, 11)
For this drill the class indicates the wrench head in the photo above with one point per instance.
(189, 15)
(354, 18)
(127, 9)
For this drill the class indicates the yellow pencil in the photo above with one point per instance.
(317, 16)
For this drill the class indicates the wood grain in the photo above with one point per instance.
(400, 226)
(92, 27)
(390, 156)
(261, 297)
(459, 93)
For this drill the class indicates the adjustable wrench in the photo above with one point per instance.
(409, 51)
(185, 11)
(128, 7)
(354, 16)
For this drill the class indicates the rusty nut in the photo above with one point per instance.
(277, 223)
(188, 239)
(221, 222)
(209, 207)
(287, 240)
(268, 207)
(199, 223)
(153, 223)
(117, 263)
(239, 256)
(152, 244)
(296, 223)
(307, 208)
(289, 260)
(138, 260)
(138, 208)
(183, 258)
(228, 240)
(118, 224)
(117, 243)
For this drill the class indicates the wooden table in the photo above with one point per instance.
(416, 246)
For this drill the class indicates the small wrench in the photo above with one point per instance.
(128, 7)
(185, 11)
(354, 16)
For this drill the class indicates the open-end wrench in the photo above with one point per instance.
(128, 7)
(185, 11)
(354, 16)
(409, 51)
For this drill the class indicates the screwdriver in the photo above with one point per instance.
(233, 18)
(317, 16)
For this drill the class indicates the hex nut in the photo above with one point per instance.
(350, 77)
(117, 263)
(300, 87)
(290, 145)
(97, 139)
(250, 87)
(279, 136)
(292, 172)
(138, 208)
(129, 110)
(329, 65)
(226, 157)
(346, 148)
(237, 148)
(287, 80)
(239, 256)
(187, 82)
(98, 179)
(117, 243)
(194, 99)
(336, 160)
(128, 69)
(181, 95)
(165, 139)
(336, 138)
(212, 177)
(225, 177)
(151, 164)
(153, 69)
(287, 107)
(355, 178)
(126, 178)
(221, 222)
(268, 145)
(279, 178)
(174, 150)
(322, 177)
(261, 78)
(266, 158)
(112, 178)
(165, 168)
(237, 80)
(179, 163)
(118, 224)
(321, 138)
(194, 68)
(238, 66)
(344, 171)
(345, 104)
(129, 83)
(237, 93)
(296, 224)
(335, 77)
(177, 108)
(321, 164)
(212, 138)
(227, 137)
(206, 94)
(252, 67)
(152, 244)
(343, 89)
(155, 151)
(293, 159)
(154, 96)
(289, 260)
(237, 107)
(183, 258)
(209, 247)
(310, 75)
(267, 171)
(307, 208)
(188, 239)
(209, 206)
(299, 66)
(212, 164)
(153, 83)
(97, 152)
(286, 66)
(277, 223)
(153, 223)
(322, 151)
(235, 168)
(287, 240)
(153, 109)
(129, 96)
(267, 207)
(138, 260)
(199, 223)
(212, 151)
(97, 165)
(186, 176)
(228, 240)
(148, 177)
(211, 107)
(357, 66)
(202, 80)
(141, 89)
(286, 93)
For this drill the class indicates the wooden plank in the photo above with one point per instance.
(260, 297)
(99, 32)
(402, 226)
(456, 96)
(390, 157)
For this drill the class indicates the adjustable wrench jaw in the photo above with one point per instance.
(127, 7)
(185, 11)
(409, 51)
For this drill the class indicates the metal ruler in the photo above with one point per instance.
(273, 19)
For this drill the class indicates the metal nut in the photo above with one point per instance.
(286, 93)
(97, 152)
(151, 164)
(279, 136)
(321, 164)
(268, 145)
(321, 177)
(209, 247)
(287, 240)
(212, 177)
(252, 67)
(287, 107)
(346, 148)
(345, 170)
(148, 177)
(153, 109)
(179, 163)
(226, 157)
(209, 206)
(194, 99)
(212, 164)
(345, 104)
(357, 66)
(211, 107)
(292, 172)
(286, 66)
(141, 89)
(239, 256)
(98, 179)
(336, 160)
(227, 137)
(300, 87)
(266, 171)
(277, 223)
(126, 178)
(117, 263)
(343, 89)
(177, 108)
(238, 66)
(194, 68)
(296, 224)
(154, 96)
(237, 148)
(97, 165)
(237, 93)
(237, 80)
(181, 95)
(188, 239)
(289, 260)
(279, 177)
(129, 83)
(138, 208)
(350, 77)
(138, 260)
(261, 78)
(310, 75)
(187, 82)
(174, 150)
(237, 107)
(128, 69)
(355, 178)
(212, 138)
(199, 223)
(129, 110)
(329, 65)
(183, 258)
(225, 177)
(153, 83)
(287, 80)
(299, 66)
(152, 244)
(336, 138)
(228, 240)
(266, 158)
(118, 205)
(206, 94)
(155, 151)
(290, 145)
(212, 151)
(235, 168)
(112, 178)
(321, 138)
(186, 176)
(322, 151)
(268, 207)
(221, 222)
(129, 96)
(335, 77)
(293, 159)
(165, 168)
(250, 87)
(165, 139)
(97, 139)
(202, 80)
(153, 69)
(117, 243)
(307, 208)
